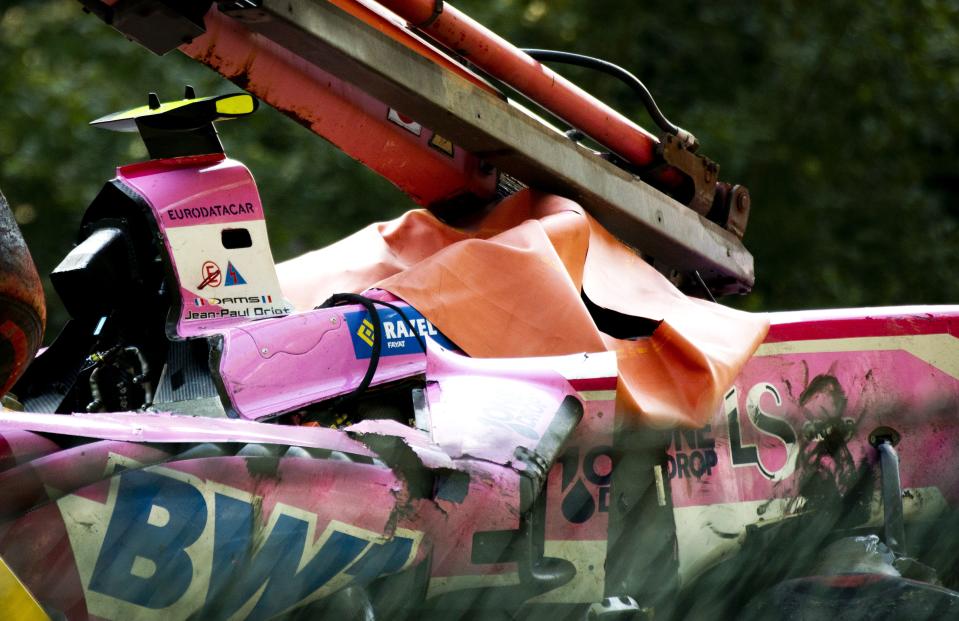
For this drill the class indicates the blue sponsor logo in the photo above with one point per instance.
(399, 337)
(158, 544)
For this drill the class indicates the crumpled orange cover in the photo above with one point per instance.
(510, 286)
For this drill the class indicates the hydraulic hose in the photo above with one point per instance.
(508, 64)
(370, 305)
(616, 71)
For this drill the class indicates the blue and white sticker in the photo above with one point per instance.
(169, 545)
(398, 335)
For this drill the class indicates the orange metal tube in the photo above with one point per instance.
(353, 120)
(505, 62)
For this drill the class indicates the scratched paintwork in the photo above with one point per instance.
(793, 434)
(121, 519)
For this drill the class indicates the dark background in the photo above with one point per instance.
(841, 117)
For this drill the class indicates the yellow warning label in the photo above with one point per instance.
(443, 144)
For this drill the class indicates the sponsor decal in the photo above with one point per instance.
(365, 332)
(210, 275)
(242, 299)
(442, 144)
(233, 276)
(166, 544)
(780, 444)
(515, 409)
(405, 122)
(398, 337)
(693, 454)
(595, 467)
(213, 211)
(253, 309)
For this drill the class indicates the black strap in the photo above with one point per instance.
(370, 305)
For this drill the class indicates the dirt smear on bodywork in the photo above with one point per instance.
(829, 479)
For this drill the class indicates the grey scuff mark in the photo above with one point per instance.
(418, 479)
(720, 533)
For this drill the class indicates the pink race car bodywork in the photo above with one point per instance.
(796, 425)
(337, 507)
(240, 459)
(139, 530)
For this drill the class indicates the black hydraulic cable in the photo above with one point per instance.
(370, 305)
(354, 298)
(616, 71)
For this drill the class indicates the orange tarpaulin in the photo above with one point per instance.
(510, 286)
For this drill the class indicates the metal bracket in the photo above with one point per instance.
(894, 531)
(702, 172)
(730, 208)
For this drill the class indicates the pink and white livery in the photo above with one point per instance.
(192, 447)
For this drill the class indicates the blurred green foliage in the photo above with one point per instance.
(842, 118)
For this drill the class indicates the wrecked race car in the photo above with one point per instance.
(488, 407)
